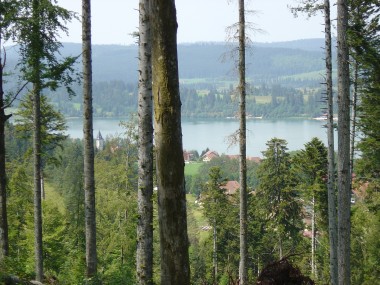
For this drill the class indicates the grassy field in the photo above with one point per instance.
(192, 168)
(197, 212)
(262, 99)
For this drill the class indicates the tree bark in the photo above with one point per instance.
(89, 179)
(313, 239)
(37, 182)
(331, 192)
(144, 254)
(214, 255)
(4, 243)
(242, 146)
(169, 152)
(36, 47)
(353, 114)
(344, 175)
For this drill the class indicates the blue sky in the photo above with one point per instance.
(113, 21)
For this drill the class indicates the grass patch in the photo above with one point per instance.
(263, 99)
(197, 213)
(192, 168)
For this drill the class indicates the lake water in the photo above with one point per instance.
(200, 134)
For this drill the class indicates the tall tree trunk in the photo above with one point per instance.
(313, 243)
(214, 255)
(89, 180)
(4, 246)
(344, 175)
(36, 47)
(331, 193)
(144, 255)
(37, 182)
(242, 145)
(42, 185)
(168, 137)
(353, 114)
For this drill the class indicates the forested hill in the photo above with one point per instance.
(302, 59)
(289, 63)
(286, 79)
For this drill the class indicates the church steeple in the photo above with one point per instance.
(99, 144)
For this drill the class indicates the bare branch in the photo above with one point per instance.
(14, 97)
(232, 139)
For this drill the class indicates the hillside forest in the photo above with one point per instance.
(135, 208)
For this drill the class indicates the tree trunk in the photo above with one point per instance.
(89, 180)
(353, 114)
(214, 255)
(344, 175)
(331, 193)
(36, 47)
(4, 246)
(144, 254)
(42, 185)
(242, 145)
(37, 182)
(313, 266)
(168, 137)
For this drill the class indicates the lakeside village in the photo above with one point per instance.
(231, 187)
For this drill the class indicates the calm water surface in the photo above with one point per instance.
(200, 134)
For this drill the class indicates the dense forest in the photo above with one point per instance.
(301, 176)
(138, 209)
(199, 100)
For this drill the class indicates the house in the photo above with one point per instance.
(254, 159)
(249, 158)
(231, 187)
(187, 156)
(210, 155)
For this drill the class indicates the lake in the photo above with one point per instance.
(198, 134)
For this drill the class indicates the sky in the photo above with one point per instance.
(113, 21)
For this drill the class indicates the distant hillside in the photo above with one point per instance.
(308, 44)
(283, 62)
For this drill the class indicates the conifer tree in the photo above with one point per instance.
(35, 29)
(243, 270)
(276, 191)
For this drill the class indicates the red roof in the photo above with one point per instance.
(210, 155)
(250, 158)
(231, 187)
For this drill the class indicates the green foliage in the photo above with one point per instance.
(55, 232)
(35, 27)
(214, 197)
(310, 165)
(222, 214)
(364, 41)
(20, 217)
(16, 147)
(229, 170)
(365, 244)
(116, 216)
(53, 126)
(279, 201)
